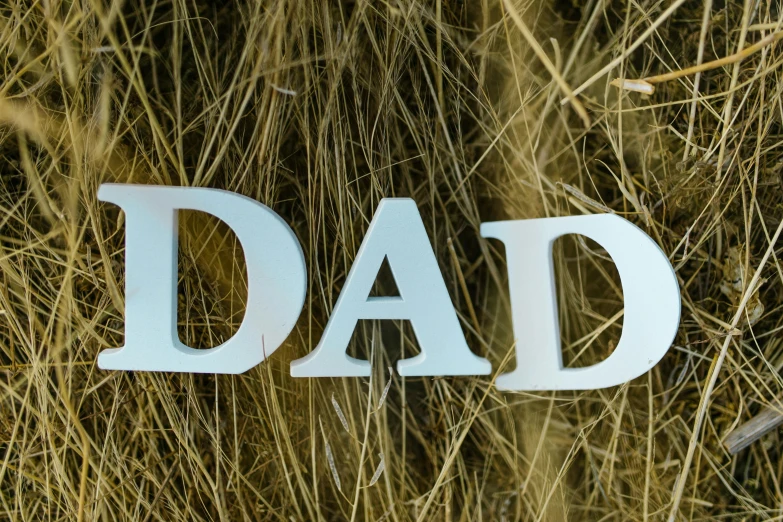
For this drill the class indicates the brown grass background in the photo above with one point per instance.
(319, 109)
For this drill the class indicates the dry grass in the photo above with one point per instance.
(319, 110)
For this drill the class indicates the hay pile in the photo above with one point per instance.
(318, 110)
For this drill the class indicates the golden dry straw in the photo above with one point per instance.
(319, 110)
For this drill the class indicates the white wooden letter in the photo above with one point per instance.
(650, 291)
(275, 270)
(397, 234)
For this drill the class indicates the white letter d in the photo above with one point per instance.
(275, 272)
(650, 291)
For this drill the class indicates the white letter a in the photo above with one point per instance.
(397, 234)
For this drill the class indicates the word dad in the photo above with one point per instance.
(277, 279)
